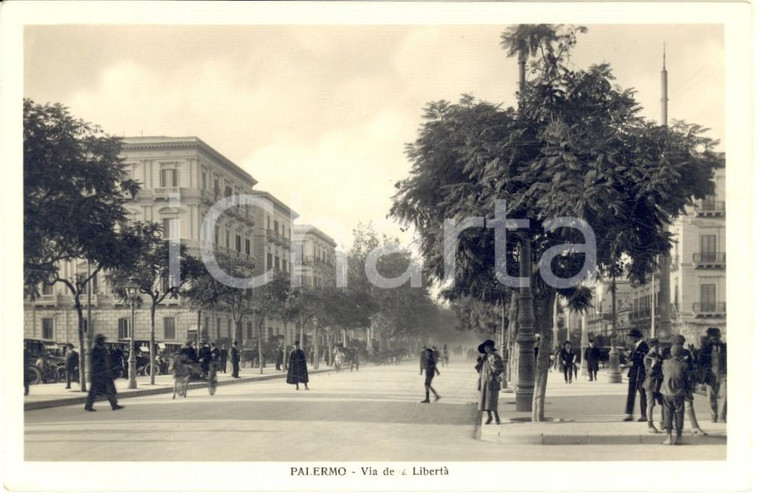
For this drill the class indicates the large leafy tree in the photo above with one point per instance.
(575, 147)
(74, 190)
(268, 301)
(150, 271)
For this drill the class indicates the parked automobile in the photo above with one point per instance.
(47, 363)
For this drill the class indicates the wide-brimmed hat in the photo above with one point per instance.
(100, 338)
(634, 332)
(488, 342)
(713, 332)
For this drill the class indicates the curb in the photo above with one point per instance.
(595, 439)
(45, 404)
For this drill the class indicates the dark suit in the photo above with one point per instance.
(636, 376)
(223, 357)
(235, 358)
(101, 376)
(714, 372)
(72, 363)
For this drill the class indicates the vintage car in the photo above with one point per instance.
(46, 361)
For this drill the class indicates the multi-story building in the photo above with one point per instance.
(181, 179)
(599, 319)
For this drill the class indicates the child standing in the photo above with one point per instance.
(675, 386)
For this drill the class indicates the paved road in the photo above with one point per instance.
(372, 415)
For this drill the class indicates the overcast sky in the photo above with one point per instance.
(323, 112)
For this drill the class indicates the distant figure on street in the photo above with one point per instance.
(101, 378)
(216, 355)
(338, 357)
(675, 386)
(72, 365)
(204, 356)
(714, 365)
(567, 356)
(189, 352)
(297, 371)
(592, 356)
(653, 382)
(235, 358)
(431, 369)
(423, 360)
(636, 376)
(223, 354)
(27, 362)
(688, 400)
(490, 366)
(278, 358)
(445, 355)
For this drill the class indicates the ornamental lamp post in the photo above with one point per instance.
(132, 291)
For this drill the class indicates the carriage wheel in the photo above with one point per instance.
(33, 375)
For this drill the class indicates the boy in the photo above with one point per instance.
(653, 381)
(675, 386)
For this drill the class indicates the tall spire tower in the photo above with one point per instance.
(665, 259)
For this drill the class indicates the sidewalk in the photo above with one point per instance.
(55, 394)
(586, 412)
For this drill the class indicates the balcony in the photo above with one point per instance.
(706, 309)
(709, 260)
(272, 236)
(711, 208)
(166, 193)
(47, 300)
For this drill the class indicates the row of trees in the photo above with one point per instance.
(576, 147)
(74, 195)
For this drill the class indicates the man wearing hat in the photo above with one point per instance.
(101, 378)
(490, 366)
(713, 362)
(72, 365)
(636, 376)
(204, 356)
(297, 371)
(678, 345)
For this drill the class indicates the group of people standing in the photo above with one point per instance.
(566, 358)
(669, 377)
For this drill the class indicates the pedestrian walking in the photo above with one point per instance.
(223, 357)
(445, 355)
(490, 367)
(675, 386)
(278, 358)
(27, 362)
(431, 370)
(714, 365)
(72, 365)
(653, 382)
(204, 357)
(354, 357)
(592, 355)
(688, 399)
(101, 378)
(235, 358)
(297, 371)
(423, 360)
(567, 356)
(636, 376)
(216, 354)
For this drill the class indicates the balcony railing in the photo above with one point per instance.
(708, 308)
(711, 209)
(272, 236)
(166, 192)
(709, 259)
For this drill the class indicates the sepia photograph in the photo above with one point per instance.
(364, 246)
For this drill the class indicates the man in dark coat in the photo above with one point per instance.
(297, 372)
(423, 360)
(189, 352)
(204, 356)
(636, 376)
(278, 358)
(101, 378)
(592, 356)
(223, 357)
(567, 356)
(714, 367)
(72, 363)
(235, 358)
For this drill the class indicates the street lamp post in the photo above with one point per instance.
(614, 361)
(132, 291)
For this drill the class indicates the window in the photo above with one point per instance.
(249, 330)
(219, 326)
(268, 223)
(216, 236)
(94, 282)
(238, 243)
(47, 290)
(47, 328)
(277, 263)
(227, 191)
(270, 333)
(203, 180)
(269, 261)
(247, 247)
(708, 247)
(168, 177)
(216, 188)
(171, 228)
(227, 239)
(206, 325)
(229, 327)
(276, 227)
(123, 328)
(169, 333)
(707, 298)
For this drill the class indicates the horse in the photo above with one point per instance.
(181, 371)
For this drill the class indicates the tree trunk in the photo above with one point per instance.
(316, 346)
(152, 354)
(261, 345)
(544, 318)
(512, 330)
(83, 354)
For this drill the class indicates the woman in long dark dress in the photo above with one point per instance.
(297, 372)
